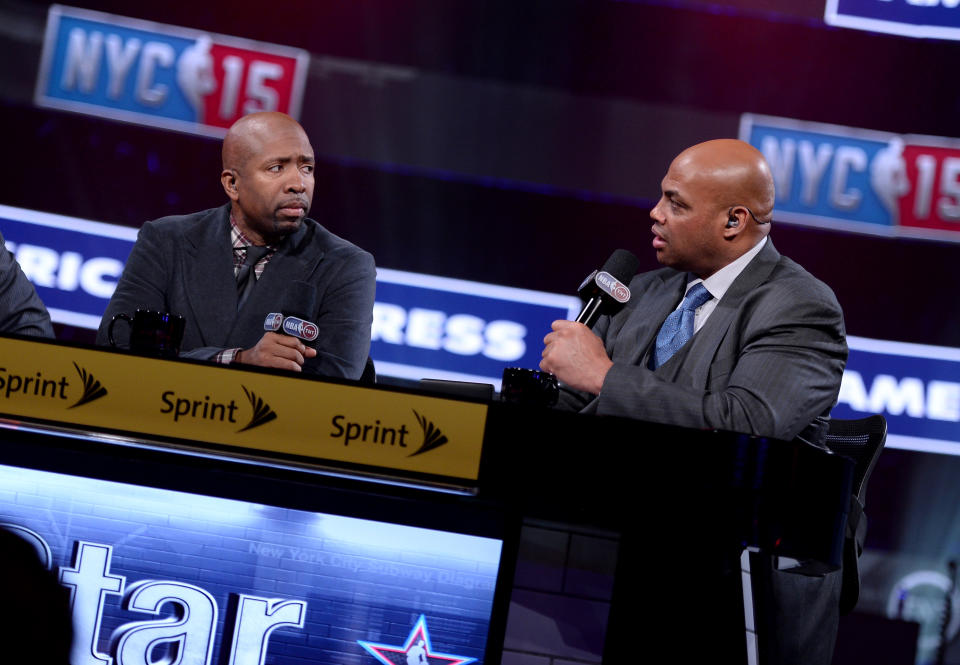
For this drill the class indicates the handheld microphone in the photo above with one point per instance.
(605, 291)
(298, 303)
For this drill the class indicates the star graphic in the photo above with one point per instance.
(417, 650)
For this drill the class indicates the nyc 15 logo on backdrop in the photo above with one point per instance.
(860, 180)
(163, 76)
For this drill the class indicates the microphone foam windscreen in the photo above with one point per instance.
(622, 264)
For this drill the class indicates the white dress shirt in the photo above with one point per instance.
(718, 283)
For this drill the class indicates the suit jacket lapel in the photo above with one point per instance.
(704, 345)
(634, 328)
(290, 263)
(208, 275)
(644, 319)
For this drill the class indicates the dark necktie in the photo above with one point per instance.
(246, 277)
(678, 327)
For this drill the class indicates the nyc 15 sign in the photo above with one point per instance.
(860, 180)
(163, 76)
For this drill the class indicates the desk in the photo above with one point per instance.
(686, 499)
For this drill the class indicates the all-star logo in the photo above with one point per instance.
(432, 436)
(91, 387)
(416, 650)
(262, 413)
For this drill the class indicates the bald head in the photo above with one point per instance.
(248, 136)
(713, 196)
(735, 171)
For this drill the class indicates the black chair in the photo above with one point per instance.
(465, 389)
(862, 441)
(369, 374)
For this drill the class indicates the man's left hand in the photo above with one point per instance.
(576, 356)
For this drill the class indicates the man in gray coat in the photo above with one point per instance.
(226, 268)
(729, 335)
(767, 347)
(21, 310)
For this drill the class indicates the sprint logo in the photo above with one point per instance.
(15, 386)
(92, 390)
(186, 408)
(388, 435)
(262, 413)
(432, 436)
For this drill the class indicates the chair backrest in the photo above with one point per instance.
(369, 374)
(862, 441)
(468, 389)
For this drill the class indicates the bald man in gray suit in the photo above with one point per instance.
(764, 355)
(192, 264)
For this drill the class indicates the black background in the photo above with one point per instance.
(495, 193)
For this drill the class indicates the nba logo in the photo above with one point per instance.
(273, 322)
(161, 75)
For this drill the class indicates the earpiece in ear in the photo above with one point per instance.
(732, 222)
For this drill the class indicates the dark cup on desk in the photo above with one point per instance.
(529, 386)
(152, 333)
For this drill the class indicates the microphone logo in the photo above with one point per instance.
(273, 322)
(300, 328)
(610, 284)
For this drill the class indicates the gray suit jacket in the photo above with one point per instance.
(21, 310)
(184, 265)
(768, 361)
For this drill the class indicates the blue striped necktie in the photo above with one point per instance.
(678, 327)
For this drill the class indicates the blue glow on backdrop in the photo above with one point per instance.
(908, 18)
(429, 326)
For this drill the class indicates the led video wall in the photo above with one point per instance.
(166, 576)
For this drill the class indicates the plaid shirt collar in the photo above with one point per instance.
(240, 242)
